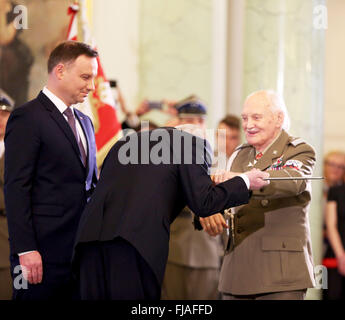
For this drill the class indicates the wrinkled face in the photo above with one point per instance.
(334, 169)
(77, 79)
(229, 141)
(261, 125)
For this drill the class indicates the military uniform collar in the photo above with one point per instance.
(269, 146)
(274, 151)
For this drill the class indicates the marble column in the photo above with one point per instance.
(175, 50)
(284, 51)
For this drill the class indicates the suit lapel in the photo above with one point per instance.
(62, 123)
(274, 152)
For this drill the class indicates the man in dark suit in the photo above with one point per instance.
(50, 171)
(146, 180)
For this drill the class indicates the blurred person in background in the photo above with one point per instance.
(15, 54)
(334, 236)
(5, 275)
(228, 142)
(334, 173)
(228, 137)
(334, 170)
(132, 118)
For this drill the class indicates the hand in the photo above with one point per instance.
(341, 264)
(171, 107)
(256, 177)
(214, 224)
(32, 268)
(222, 175)
(143, 107)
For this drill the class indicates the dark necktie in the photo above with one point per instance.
(71, 121)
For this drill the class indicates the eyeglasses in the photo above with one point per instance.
(335, 165)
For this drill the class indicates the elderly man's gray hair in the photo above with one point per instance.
(277, 103)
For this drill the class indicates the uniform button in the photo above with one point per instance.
(239, 230)
(264, 203)
(283, 245)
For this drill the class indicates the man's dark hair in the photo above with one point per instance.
(232, 122)
(68, 51)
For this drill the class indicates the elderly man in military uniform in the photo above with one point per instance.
(268, 255)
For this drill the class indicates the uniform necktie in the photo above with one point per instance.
(71, 121)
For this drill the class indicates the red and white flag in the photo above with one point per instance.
(100, 104)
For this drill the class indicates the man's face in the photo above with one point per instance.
(260, 124)
(228, 141)
(77, 79)
(4, 115)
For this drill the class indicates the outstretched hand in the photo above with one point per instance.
(220, 176)
(214, 224)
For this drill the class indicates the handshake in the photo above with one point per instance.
(255, 177)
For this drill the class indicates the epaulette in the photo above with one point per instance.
(297, 141)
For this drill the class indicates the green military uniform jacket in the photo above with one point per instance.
(269, 249)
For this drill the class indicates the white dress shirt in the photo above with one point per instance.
(2, 148)
(62, 107)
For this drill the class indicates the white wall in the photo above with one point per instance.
(115, 26)
(334, 114)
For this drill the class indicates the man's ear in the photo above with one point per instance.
(280, 119)
(59, 71)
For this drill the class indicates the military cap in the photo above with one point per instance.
(191, 106)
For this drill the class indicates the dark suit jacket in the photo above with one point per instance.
(138, 202)
(46, 184)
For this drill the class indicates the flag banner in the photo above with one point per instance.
(100, 104)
